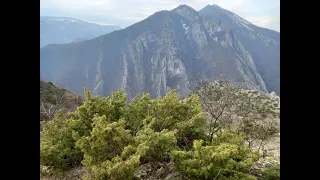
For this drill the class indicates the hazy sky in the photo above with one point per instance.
(264, 13)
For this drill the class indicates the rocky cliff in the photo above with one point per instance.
(263, 44)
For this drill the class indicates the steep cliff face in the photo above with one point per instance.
(263, 44)
(165, 51)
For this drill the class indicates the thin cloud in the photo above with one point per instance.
(271, 21)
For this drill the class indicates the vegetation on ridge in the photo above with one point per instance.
(113, 138)
(53, 98)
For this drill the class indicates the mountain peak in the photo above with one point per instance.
(186, 11)
(184, 7)
(229, 18)
(211, 6)
(214, 5)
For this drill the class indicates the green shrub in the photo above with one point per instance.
(155, 146)
(102, 148)
(169, 112)
(112, 107)
(107, 140)
(112, 138)
(272, 172)
(224, 158)
(57, 146)
(137, 111)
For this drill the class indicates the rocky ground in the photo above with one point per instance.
(73, 174)
(273, 150)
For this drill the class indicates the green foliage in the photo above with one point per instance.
(102, 149)
(155, 146)
(112, 137)
(167, 111)
(57, 147)
(112, 107)
(137, 111)
(224, 158)
(272, 172)
(107, 140)
(116, 169)
(170, 113)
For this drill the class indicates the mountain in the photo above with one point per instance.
(54, 98)
(263, 44)
(167, 50)
(60, 30)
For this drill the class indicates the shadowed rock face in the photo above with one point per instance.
(263, 44)
(165, 51)
(59, 30)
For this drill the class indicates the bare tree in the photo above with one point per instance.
(217, 99)
(228, 105)
(258, 130)
(50, 109)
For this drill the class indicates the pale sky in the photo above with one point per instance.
(263, 13)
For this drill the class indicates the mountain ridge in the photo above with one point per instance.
(262, 43)
(162, 52)
(60, 30)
